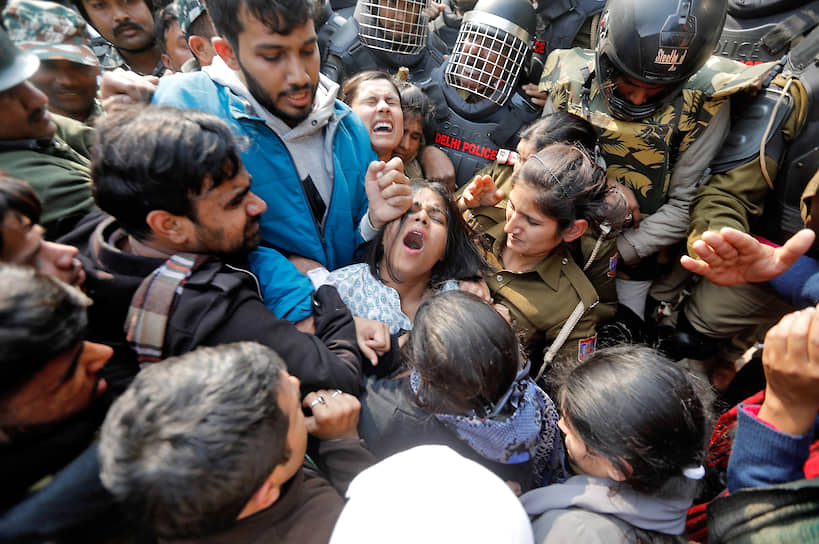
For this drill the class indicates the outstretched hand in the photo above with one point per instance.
(388, 191)
(790, 359)
(434, 10)
(732, 257)
(482, 191)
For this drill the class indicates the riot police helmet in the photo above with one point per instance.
(395, 26)
(653, 48)
(492, 47)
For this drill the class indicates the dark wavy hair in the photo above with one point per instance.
(462, 258)
(279, 16)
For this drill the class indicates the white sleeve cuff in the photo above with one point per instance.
(320, 276)
(366, 228)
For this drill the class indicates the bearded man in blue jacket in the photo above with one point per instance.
(309, 156)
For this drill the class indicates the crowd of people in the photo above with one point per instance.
(398, 270)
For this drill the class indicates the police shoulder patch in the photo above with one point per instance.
(612, 271)
(586, 347)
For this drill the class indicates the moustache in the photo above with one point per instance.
(291, 90)
(127, 25)
(252, 227)
(67, 88)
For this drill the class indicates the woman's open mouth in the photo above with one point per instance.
(414, 242)
(385, 127)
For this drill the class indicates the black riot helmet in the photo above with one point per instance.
(661, 42)
(493, 46)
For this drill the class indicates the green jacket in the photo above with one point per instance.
(58, 169)
(736, 198)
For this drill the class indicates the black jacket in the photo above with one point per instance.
(309, 505)
(219, 304)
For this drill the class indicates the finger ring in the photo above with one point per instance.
(336, 393)
(319, 400)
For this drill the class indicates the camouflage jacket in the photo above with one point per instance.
(644, 154)
(111, 59)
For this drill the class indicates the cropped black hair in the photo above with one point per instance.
(159, 158)
(279, 16)
(641, 412)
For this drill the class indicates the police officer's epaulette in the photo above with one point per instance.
(722, 77)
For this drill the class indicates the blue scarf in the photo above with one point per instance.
(529, 433)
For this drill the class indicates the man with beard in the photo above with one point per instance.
(163, 266)
(310, 158)
(127, 27)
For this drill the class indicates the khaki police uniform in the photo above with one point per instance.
(736, 196)
(541, 300)
(602, 269)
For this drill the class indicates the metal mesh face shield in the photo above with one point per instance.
(396, 26)
(488, 56)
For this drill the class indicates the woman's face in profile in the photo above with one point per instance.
(529, 232)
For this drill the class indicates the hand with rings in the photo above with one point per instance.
(338, 416)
